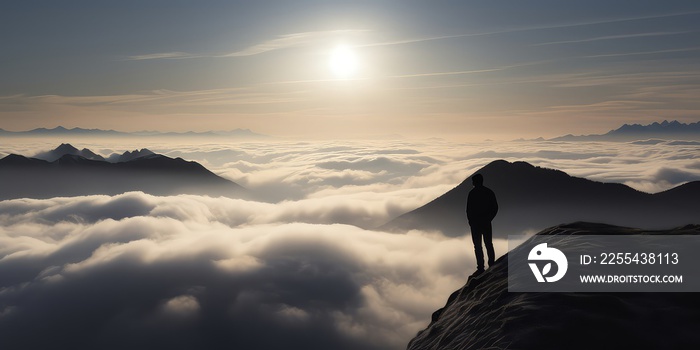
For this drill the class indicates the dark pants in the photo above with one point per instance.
(478, 231)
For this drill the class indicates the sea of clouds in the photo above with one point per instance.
(302, 268)
(179, 271)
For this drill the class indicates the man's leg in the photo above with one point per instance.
(478, 251)
(488, 233)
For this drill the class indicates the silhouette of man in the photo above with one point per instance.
(481, 209)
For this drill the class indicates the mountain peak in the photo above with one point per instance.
(14, 160)
(504, 164)
(671, 130)
(665, 126)
(130, 155)
(74, 174)
(66, 148)
(530, 196)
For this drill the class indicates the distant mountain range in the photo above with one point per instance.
(61, 131)
(72, 172)
(485, 315)
(66, 148)
(531, 197)
(673, 130)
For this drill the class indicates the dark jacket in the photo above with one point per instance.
(481, 205)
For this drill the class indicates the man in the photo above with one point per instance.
(481, 209)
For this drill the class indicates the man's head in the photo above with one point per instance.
(478, 180)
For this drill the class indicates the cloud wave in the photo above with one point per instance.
(182, 272)
(305, 269)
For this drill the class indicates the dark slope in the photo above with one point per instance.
(73, 175)
(484, 315)
(531, 197)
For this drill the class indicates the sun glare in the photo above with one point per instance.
(343, 62)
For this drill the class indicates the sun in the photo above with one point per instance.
(343, 62)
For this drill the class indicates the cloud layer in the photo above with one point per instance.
(185, 272)
(303, 270)
(430, 167)
(389, 177)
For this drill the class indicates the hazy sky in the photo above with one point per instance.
(472, 69)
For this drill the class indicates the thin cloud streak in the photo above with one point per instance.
(572, 25)
(305, 38)
(281, 42)
(487, 70)
(611, 37)
(622, 54)
(230, 96)
(418, 75)
(291, 40)
(447, 73)
(162, 56)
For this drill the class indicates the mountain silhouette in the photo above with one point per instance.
(67, 148)
(61, 131)
(75, 175)
(127, 156)
(630, 132)
(485, 315)
(531, 197)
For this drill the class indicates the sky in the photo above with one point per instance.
(466, 70)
